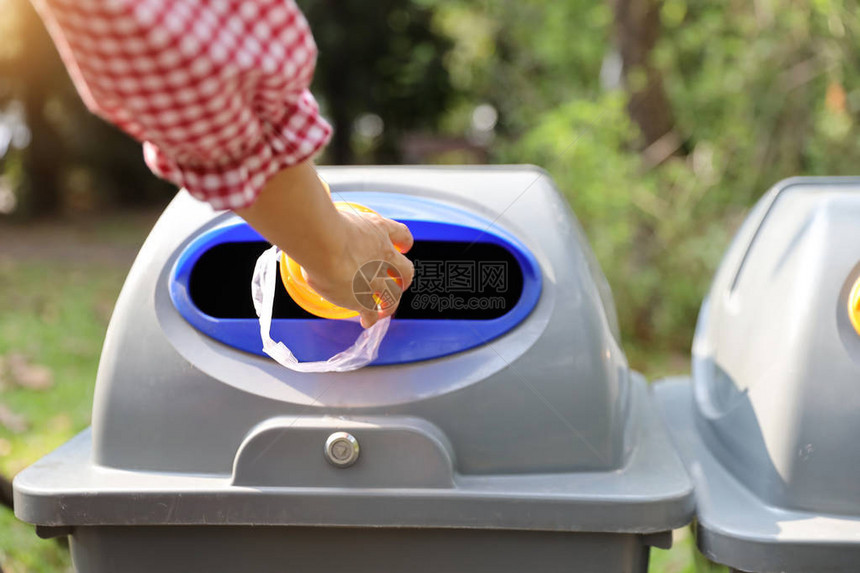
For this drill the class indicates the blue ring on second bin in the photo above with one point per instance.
(408, 340)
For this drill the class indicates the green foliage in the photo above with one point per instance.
(760, 91)
(652, 229)
(380, 58)
(525, 58)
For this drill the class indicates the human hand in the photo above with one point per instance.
(295, 212)
(373, 246)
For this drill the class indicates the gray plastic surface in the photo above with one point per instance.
(735, 526)
(544, 428)
(652, 493)
(772, 430)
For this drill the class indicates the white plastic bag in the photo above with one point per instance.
(364, 351)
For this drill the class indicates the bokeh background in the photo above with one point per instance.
(662, 121)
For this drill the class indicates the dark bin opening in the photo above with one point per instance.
(453, 280)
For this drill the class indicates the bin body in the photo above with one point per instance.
(770, 419)
(279, 549)
(515, 426)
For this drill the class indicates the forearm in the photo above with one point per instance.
(294, 212)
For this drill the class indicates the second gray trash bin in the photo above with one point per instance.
(770, 424)
(506, 436)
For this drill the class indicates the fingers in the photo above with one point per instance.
(368, 318)
(387, 291)
(386, 294)
(405, 268)
(394, 239)
(399, 234)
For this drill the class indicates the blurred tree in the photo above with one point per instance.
(30, 70)
(637, 30)
(382, 58)
(65, 139)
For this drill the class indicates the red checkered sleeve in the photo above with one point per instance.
(216, 89)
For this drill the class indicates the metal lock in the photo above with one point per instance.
(341, 449)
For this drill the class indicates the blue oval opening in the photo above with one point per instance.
(473, 282)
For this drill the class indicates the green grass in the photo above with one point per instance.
(55, 313)
(683, 557)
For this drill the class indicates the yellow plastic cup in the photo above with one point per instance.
(298, 288)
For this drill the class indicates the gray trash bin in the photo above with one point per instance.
(506, 434)
(770, 426)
